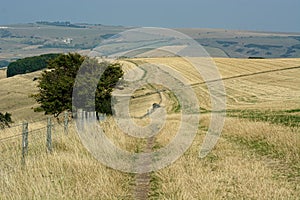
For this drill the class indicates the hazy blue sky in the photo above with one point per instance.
(264, 15)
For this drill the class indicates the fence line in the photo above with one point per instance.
(34, 122)
(26, 140)
(15, 125)
(9, 138)
(49, 130)
(36, 130)
(2, 140)
(49, 137)
(93, 115)
(21, 124)
(66, 122)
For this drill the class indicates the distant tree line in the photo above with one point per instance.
(29, 64)
(58, 23)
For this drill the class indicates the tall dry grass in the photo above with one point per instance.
(235, 169)
(2, 73)
(252, 160)
(70, 172)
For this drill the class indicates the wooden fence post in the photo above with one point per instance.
(49, 137)
(24, 142)
(79, 119)
(83, 116)
(94, 116)
(79, 113)
(66, 121)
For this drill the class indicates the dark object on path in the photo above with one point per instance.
(155, 105)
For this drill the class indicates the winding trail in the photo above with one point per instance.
(142, 181)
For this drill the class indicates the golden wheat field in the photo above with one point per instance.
(256, 157)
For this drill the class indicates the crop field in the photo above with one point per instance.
(268, 84)
(256, 157)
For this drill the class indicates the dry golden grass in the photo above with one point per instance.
(235, 170)
(272, 90)
(14, 97)
(70, 172)
(2, 73)
(252, 160)
(124, 141)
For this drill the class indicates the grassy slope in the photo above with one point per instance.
(257, 88)
(14, 97)
(70, 172)
(253, 159)
(2, 73)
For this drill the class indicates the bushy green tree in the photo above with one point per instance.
(89, 84)
(56, 84)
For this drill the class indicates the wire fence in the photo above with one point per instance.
(10, 126)
(16, 139)
(10, 138)
(23, 145)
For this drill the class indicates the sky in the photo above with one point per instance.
(256, 15)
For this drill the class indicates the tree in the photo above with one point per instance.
(56, 84)
(92, 91)
(5, 120)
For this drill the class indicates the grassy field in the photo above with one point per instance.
(69, 172)
(266, 84)
(257, 156)
(2, 73)
(14, 97)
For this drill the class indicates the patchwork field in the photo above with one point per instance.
(257, 156)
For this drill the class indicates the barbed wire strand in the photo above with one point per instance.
(13, 126)
(42, 120)
(19, 135)
(29, 122)
(36, 130)
(10, 138)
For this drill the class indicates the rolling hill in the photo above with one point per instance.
(23, 40)
(257, 156)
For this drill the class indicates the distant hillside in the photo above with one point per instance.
(24, 40)
(244, 44)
